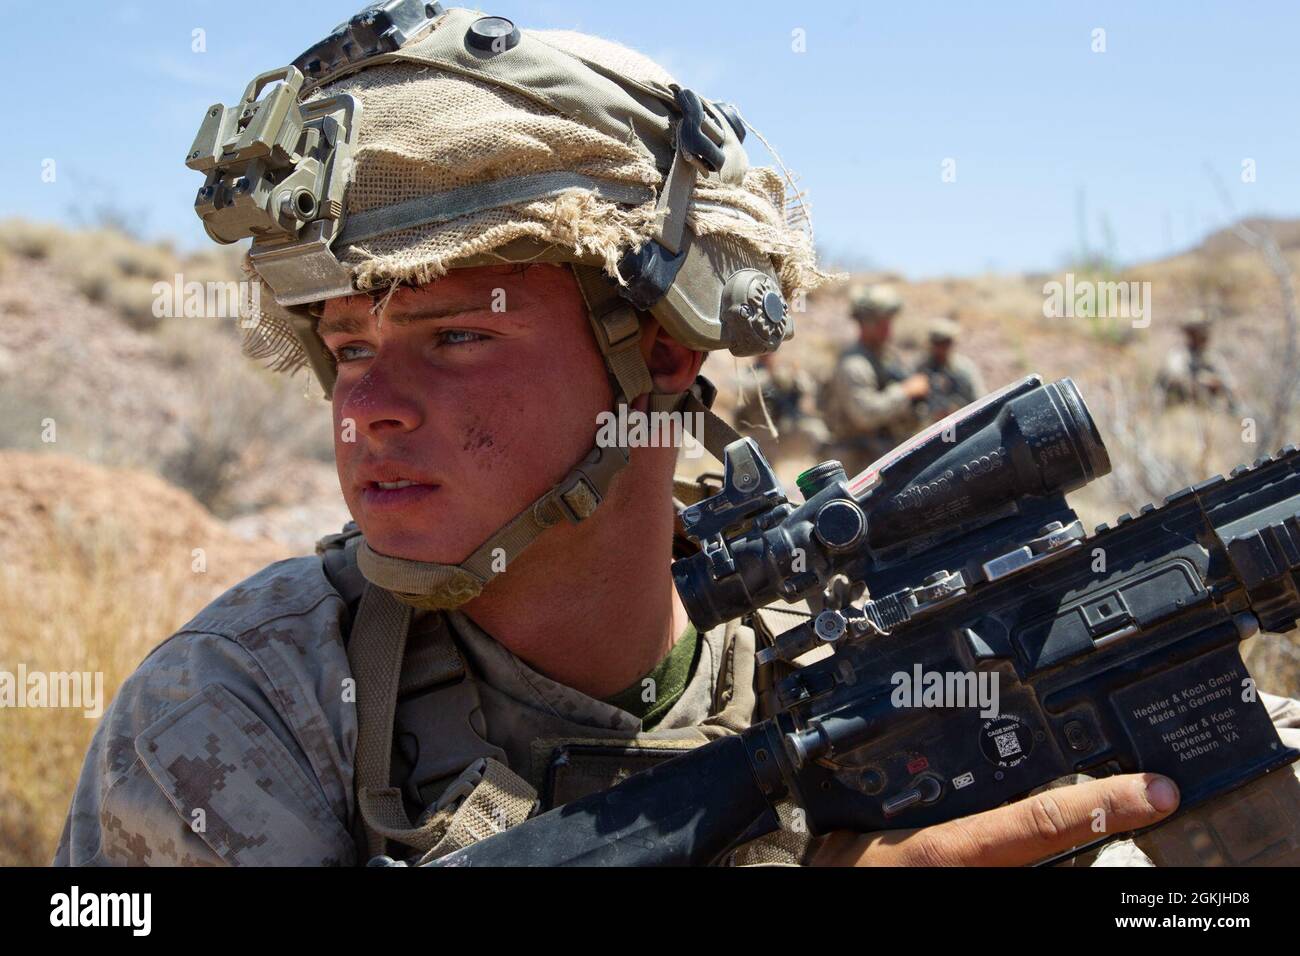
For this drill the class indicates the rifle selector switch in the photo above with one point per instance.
(927, 789)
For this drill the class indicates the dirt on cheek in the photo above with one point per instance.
(480, 439)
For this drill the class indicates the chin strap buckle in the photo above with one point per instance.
(585, 487)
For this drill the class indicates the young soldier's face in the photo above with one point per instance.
(461, 403)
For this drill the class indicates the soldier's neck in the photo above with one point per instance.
(593, 606)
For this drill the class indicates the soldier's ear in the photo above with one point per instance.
(673, 366)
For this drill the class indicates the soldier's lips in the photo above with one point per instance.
(375, 497)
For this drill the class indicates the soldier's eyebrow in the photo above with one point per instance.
(355, 324)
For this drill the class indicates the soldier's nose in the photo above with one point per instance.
(381, 403)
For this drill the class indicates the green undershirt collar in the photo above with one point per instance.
(670, 677)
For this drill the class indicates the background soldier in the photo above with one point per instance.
(870, 403)
(954, 379)
(1190, 374)
(773, 396)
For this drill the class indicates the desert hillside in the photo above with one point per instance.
(145, 466)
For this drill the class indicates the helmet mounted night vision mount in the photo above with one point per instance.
(277, 165)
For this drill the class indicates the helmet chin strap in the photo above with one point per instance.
(427, 584)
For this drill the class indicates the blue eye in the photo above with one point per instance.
(460, 337)
(345, 352)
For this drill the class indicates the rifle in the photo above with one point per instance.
(1108, 653)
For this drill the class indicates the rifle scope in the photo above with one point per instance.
(987, 461)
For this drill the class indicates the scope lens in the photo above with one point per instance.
(1086, 437)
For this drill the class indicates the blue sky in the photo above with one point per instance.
(1044, 131)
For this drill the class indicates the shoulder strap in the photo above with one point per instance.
(426, 675)
(338, 554)
(375, 654)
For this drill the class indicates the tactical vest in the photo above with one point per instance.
(854, 448)
(422, 749)
(886, 366)
(950, 389)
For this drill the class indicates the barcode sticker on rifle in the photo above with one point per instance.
(1007, 744)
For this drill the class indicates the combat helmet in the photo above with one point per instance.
(1196, 319)
(942, 329)
(416, 139)
(868, 303)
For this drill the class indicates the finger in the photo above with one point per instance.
(1054, 821)
(1018, 834)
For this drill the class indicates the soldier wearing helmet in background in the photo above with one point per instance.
(478, 238)
(1190, 374)
(954, 379)
(870, 403)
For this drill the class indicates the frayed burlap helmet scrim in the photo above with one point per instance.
(412, 141)
(588, 177)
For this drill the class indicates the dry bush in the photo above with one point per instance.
(171, 395)
(111, 268)
(30, 240)
(243, 421)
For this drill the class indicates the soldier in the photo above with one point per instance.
(498, 629)
(1190, 374)
(954, 379)
(870, 404)
(772, 408)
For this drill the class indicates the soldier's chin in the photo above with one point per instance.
(410, 545)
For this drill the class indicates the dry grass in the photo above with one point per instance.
(111, 268)
(71, 612)
(97, 568)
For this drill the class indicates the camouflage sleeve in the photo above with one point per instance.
(190, 776)
(861, 402)
(225, 749)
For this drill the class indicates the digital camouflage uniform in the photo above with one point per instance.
(234, 742)
(862, 403)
